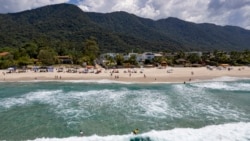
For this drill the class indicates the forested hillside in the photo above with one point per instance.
(65, 25)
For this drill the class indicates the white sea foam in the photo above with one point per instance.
(232, 86)
(76, 105)
(28, 98)
(153, 105)
(223, 79)
(195, 101)
(226, 132)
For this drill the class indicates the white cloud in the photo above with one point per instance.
(155, 9)
(10, 6)
(222, 12)
(230, 12)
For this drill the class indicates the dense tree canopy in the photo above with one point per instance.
(88, 52)
(65, 26)
(47, 56)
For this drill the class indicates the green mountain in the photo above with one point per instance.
(117, 31)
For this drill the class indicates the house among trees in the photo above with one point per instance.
(64, 59)
(130, 59)
(2, 54)
(148, 56)
(164, 63)
(138, 57)
(181, 61)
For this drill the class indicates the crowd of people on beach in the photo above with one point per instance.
(182, 75)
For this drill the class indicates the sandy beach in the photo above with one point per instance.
(145, 75)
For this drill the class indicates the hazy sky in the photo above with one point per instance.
(220, 12)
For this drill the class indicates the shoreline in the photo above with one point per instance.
(106, 81)
(149, 75)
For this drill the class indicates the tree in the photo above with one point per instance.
(91, 49)
(180, 54)
(31, 49)
(85, 59)
(223, 58)
(76, 57)
(235, 57)
(65, 47)
(110, 61)
(24, 61)
(132, 60)
(22, 52)
(220, 57)
(46, 56)
(5, 64)
(7, 61)
(119, 59)
(158, 60)
(194, 58)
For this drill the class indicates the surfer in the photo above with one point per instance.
(81, 133)
(136, 131)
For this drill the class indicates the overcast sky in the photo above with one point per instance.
(220, 12)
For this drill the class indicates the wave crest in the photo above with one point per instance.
(229, 132)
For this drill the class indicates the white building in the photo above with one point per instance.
(148, 56)
(137, 56)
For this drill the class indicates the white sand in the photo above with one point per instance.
(152, 75)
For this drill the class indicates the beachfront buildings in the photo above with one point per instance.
(110, 58)
(65, 59)
(150, 58)
(142, 57)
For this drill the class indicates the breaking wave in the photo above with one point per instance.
(226, 132)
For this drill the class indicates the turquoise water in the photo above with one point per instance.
(212, 110)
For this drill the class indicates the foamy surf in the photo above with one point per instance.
(222, 79)
(228, 86)
(111, 111)
(225, 132)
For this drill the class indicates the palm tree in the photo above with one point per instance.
(119, 59)
(194, 58)
(132, 60)
(110, 61)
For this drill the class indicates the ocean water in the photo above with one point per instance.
(215, 110)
